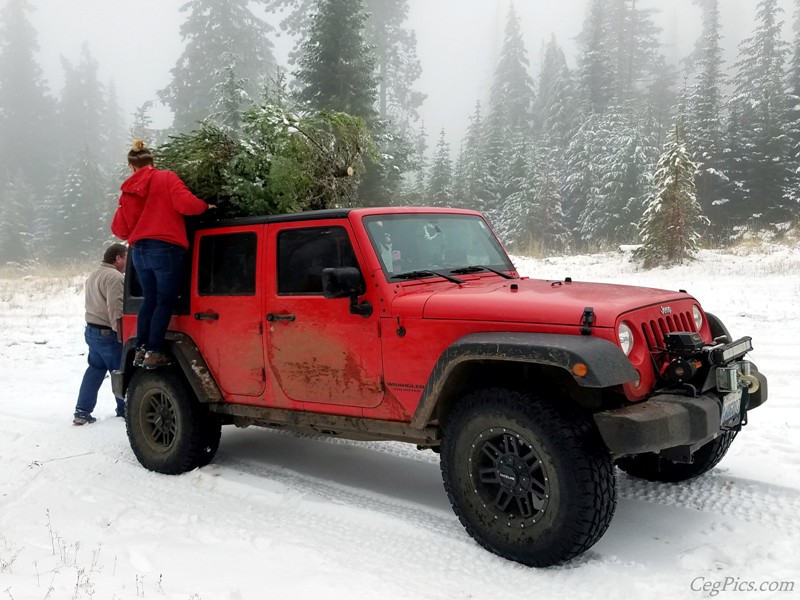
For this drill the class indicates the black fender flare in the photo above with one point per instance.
(190, 362)
(607, 365)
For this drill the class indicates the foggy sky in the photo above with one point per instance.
(137, 43)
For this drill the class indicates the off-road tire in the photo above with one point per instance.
(655, 468)
(169, 430)
(564, 491)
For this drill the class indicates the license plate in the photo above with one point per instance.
(731, 406)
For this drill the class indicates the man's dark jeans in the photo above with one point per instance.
(159, 266)
(104, 356)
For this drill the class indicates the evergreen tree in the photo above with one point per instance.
(230, 96)
(659, 102)
(79, 222)
(548, 224)
(619, 50)
(114, 135)
(142, 126)
(397, 67)
(472, 176)
(82, 107)
(396, 62)
(533, 220)
(670, 227)
(634, 47)
(440, 184)
(414, 193)
(26, 109)
(612, 212)
(16, 220)
(704, 114)
(213, 31)
(595, 63)
(760, 150)
(793, 109)
(582, 185)
(337, 65)
(557, 110)
(510, 117)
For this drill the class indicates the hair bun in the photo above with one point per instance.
(138, 146)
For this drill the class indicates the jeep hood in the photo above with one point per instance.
(540, 301)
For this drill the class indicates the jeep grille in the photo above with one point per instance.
(654, 330)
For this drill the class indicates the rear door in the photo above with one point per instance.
(317, 350)
(226, 307)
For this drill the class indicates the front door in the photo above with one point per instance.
(317, 350)
(226, 307)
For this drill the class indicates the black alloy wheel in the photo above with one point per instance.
(169, 430)
(529, 479)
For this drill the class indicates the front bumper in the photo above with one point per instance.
(670, 421)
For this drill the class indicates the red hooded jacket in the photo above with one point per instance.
(152, 206)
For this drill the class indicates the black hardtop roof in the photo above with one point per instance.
(208, 222)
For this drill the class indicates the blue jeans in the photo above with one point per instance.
(104, 356)
(159, 266)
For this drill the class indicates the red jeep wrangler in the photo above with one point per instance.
(413, 325)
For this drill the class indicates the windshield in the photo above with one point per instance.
(409, 243)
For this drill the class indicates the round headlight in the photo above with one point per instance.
(625, 336)
(698, 317)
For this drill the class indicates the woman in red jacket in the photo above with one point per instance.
(150, 216)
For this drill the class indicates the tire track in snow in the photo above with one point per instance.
(744, 499)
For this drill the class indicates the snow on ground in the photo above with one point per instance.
(284, 516)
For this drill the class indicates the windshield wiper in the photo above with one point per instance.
(421, 274)
(477, 268)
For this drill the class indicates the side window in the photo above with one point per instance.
(227, 265)
(303, 253)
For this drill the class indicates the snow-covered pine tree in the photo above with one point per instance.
(16, 219)
(470, 175)
(82, 106)
(548, 224)
(595, 62)
(514, 177)
(533, 221)
(336, 68)
(625, 163)
(114, 134)
(79, 222)
(704, 113)
(397, 67)
(760, 155)
(440, 184)
(510, 115)
(793, 108)
(556, 107)
(229, 94)
(582, 167)
(27, 123)
(211, 30)
(672, 222)
(142, 125)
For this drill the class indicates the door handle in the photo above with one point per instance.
(273, 317)
(206, 316)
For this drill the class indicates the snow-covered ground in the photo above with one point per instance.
(283, 516)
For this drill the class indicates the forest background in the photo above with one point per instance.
(561, 152)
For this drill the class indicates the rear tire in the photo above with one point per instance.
(529, 481)
(169, 430)
(652, 467)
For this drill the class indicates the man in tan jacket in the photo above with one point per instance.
(104, 289)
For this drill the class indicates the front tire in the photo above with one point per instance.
(169, 430)
(655, 468)
(529, 481)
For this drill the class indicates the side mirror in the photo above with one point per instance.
(344, 282)
(341, 282)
